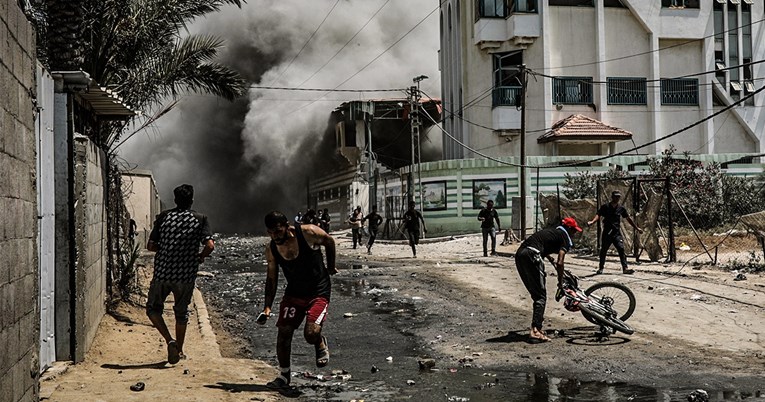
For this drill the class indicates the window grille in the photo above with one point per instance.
(680, 91)
(626, 91)
(572, 90)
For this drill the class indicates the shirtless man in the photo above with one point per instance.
(297, 250)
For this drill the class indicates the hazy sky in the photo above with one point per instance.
(251, 156)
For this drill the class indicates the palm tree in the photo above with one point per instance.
(138, 48)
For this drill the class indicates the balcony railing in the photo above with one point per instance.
(680, 91)
(626, 91)
(506, 96)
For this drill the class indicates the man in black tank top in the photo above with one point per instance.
(297, 250)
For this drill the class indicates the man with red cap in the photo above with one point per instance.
(531, 267)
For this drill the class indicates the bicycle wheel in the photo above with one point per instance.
(614, 295)
(598, 318)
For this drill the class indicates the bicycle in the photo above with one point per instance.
(607, 304)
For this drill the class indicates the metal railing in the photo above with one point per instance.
(572, 90)
(506, 96)
(680, 91)
(626, 91)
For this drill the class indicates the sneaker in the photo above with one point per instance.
(280, 382)
(627, 271)
(599, 271)
(493, 253)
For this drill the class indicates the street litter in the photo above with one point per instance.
(426, 364)
(458, 399)
(138, 387)
(740, 277)
(698, 298)
(378, 291)
(374, 369)
(684, 247)
(348, 315)
(409, 382)
(698, 395)
(389, 359)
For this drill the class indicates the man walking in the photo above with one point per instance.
(487, 216)
(611, 214)
(412, 219)
(374, 225)
(176, 238)
(297, 250)
(356, 222)
(531, 267)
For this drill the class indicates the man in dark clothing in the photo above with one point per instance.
(412, 219)
(324, 220)
(176, 238)
(487, 216)
(531, 267)
(374, 225)
(297, 250)
(611, 214)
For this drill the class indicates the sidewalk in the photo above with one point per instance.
(128, 350)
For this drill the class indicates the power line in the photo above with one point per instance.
(602, 158)
(655, 50)
(380, 55)
(306, 42)
(346, 43)
(326, 89)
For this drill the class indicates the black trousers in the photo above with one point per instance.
(414, 239)
(531, 269)
(605, 242)
(372, 237)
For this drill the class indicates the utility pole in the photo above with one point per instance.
(524, 82)
(414, 120)
(368, 118)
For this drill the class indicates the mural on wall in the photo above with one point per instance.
(434, 196)
(485, 190)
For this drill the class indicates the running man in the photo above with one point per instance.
(531, 267)
(412, 219)
(176, 237)
(296, 249)
(356, 220)
(611, 214)
(374, 225)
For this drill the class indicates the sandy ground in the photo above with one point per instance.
(690, 320)
(128, 350)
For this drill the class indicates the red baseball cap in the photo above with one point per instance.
(571, 222)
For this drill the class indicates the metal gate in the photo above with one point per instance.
(46, 216)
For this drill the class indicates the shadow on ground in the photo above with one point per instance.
(289, 392)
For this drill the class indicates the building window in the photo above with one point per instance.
(572, 3)
(680, 91)
(680, 3)
(613, 3)
(507, 85)
(523, 6)
(491, 9)
(572, 90)
(626, 91)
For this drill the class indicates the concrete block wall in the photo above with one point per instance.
(90, 242)
(19, 311)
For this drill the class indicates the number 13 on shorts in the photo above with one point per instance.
(288, 312)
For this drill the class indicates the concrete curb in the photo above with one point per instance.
(205, 328)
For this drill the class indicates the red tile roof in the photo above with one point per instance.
(578, 127)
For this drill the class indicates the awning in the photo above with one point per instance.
(580, 128)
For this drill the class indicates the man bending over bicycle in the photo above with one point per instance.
(531, 267)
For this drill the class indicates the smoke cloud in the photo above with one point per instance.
(254, 155)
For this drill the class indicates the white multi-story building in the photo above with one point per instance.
(632, 65)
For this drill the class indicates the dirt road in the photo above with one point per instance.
(696, 328)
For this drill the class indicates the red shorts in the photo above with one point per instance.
(292, 311)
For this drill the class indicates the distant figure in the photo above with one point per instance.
(176, 237)
(310, 217)
(374, 225)
(356, 222)
(324, 220)
(531, 267)
(297, 250)
(299, 218)
(487, 216)
(611, 214)
(412, 219)
(132, 231)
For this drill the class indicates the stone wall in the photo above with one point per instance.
(90, 242)
(19, 312)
